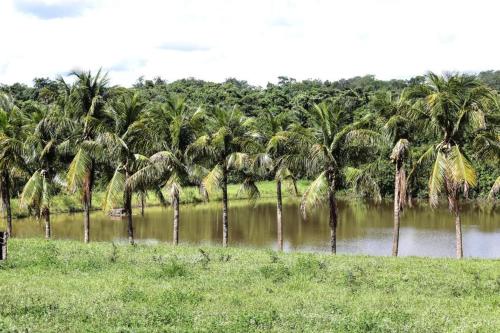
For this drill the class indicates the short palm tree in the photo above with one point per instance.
(454, 107)
(330, 133)
(47, 127)
(85, 101)
(172, 125)
(127, 136)
(226, 142)
(12, 163)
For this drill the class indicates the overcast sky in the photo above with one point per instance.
(253, 40)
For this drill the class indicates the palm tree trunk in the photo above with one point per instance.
(6, 201)
(397, 207)
(458, 232)
(142, 204)
(48, 230)
(332, 203)
(87, 204)
(225, 225)
(128, 210)
(176, 217)
(279, 212)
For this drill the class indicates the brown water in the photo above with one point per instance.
(364, 228)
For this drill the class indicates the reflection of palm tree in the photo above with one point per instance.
(454, 107)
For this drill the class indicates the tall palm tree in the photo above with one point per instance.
(225, 143)
(331, 131)
(398, 156)
(86, 102)
(272, 162)
(12, 135)
(392, 110)
(173, 127)
(128, 135)
(453, 106)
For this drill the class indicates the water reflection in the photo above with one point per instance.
(363, 228)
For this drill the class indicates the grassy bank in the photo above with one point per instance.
(65, 286)
(67, 203)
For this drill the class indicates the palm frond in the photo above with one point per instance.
(212, 181)
(436, 180)
(114, 191)
(315, 194)
(78, 170)
(461, 169)
(495, 188)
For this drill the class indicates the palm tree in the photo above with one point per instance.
(392, 110)
(272, 161)
(12, 120)
(225, 143)
(47, 126)
(128, 135)
(173, 127)
(331, 132)
(86, 100)
(453, 106)
(398, 157)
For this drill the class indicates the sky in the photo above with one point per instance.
(252, 40)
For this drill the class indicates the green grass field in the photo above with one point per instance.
(67, 286)
(67, 203)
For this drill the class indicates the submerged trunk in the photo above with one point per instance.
(128, 210)
(279, 212)
(225, 226)
(6, 201)
(332, 204)
(48, 230)
(175, 203)
(397, 208)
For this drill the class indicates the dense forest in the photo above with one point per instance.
(427, 137)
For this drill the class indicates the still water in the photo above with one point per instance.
(364, 228)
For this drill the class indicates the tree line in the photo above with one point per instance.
(431, 136)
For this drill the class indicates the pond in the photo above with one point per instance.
(364, 228)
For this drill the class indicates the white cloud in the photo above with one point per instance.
(255, 40)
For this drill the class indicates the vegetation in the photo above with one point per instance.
(71, 287)
(86, 137)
